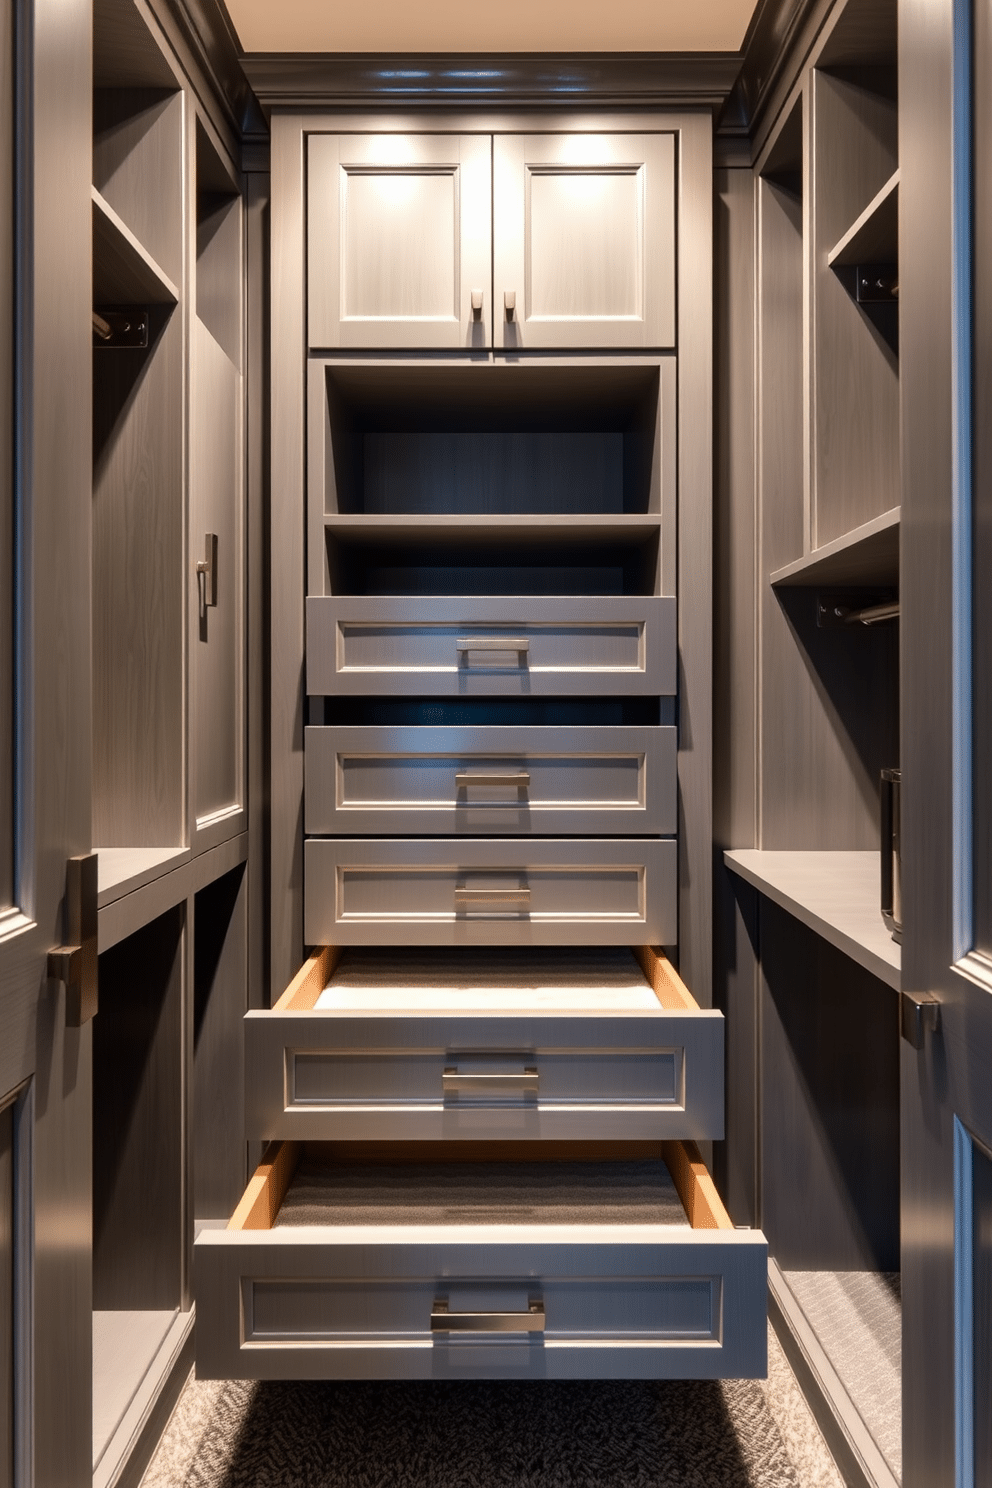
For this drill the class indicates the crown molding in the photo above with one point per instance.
(777, 40)
(519, 79)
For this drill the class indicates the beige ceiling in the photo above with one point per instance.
(509, 26)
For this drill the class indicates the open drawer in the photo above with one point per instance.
(594, 1261)
(523, 891)
(482, 1044)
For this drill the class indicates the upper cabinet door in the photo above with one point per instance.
(399, 240)
(584, 240)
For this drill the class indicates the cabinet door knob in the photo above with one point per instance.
(477, 304)
(920, 1015)
(206, 569)
(510, 303)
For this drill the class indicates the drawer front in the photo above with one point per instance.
(323, 1076)
(483, 779)
(598, 1302)
(485, 647)
(528, 892)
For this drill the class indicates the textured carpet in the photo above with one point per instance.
(573, 1193)
(857, 1316)
(615, 1434)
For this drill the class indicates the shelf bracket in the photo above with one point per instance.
(877, 284)
(117, 328)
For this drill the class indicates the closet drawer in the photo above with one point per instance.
(354, 1267)
(483, 647)
(427, 1045)
(484, 779)
(532, 891)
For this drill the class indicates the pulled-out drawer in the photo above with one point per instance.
(485, 1044)
(485, 779)
(486, 647)
(529, 891)
(564, 1262)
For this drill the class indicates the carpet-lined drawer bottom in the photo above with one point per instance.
(592, 1260)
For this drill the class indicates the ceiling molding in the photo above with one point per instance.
(520, 79)
(780, 34)
(206, 29)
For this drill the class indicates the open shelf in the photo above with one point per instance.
(874, 237)
(834, 893)
(124, 273)
(120, 870)
(867, 556)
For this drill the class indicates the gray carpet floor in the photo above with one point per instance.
(596, 1434)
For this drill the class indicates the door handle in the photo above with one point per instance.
(919, 1015)
(492, 896)
(492, 643)
(75, 963)
(510, 303)
(207, 568)
(493, 777)
(443, 1321)
(477, 304)
(489, 1082)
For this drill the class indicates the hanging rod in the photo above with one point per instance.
(873, 614)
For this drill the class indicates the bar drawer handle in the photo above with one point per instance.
(492, 896)
(492, 643)
(443, 1321)
(493, 777)
(487, 1081)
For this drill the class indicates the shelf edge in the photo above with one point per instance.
(875, 205)
(849, 542)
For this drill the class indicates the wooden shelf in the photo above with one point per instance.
(121, 870)
(868, 555)
(493, 527)
(834, 893)
(124, 273)
(874, 237)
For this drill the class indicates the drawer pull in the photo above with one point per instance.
(443, 1321)
(489, 1082)
(493, 777)
(492, 896)
(492, 643)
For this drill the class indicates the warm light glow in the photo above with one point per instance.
(513, 26)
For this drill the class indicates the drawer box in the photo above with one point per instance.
(532, 891)
(561, 1045)
(439, 781)
(341, 1263)
(519, 647)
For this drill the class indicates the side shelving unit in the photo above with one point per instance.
(168, 716)
(825, 1168)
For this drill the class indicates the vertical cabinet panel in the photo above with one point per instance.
(217, 646)
(399, 232)
(7, 1297)
(584, 240)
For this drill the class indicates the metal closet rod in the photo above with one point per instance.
(873, 614)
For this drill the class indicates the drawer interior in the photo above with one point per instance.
(432, 1183)
(533, 712)
(501, 979)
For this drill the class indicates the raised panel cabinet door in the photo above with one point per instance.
(584, 240)
(399, 241)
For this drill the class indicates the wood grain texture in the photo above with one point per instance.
(309, 981)
(220, 978)
(139, 593)
(257, 538)
(124, 272)
(137, 167)
(868, 555)
(6, 455)
(696, 1188)
(695, 547)
(855, 380)
(836, 894)
(267, 1188)
(666, 984)
(829, 1105)
(217, 644)
(137, 1131)
(287, 550)
(7, 1297)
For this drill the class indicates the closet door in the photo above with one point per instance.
(399, 241)
(584, 240)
